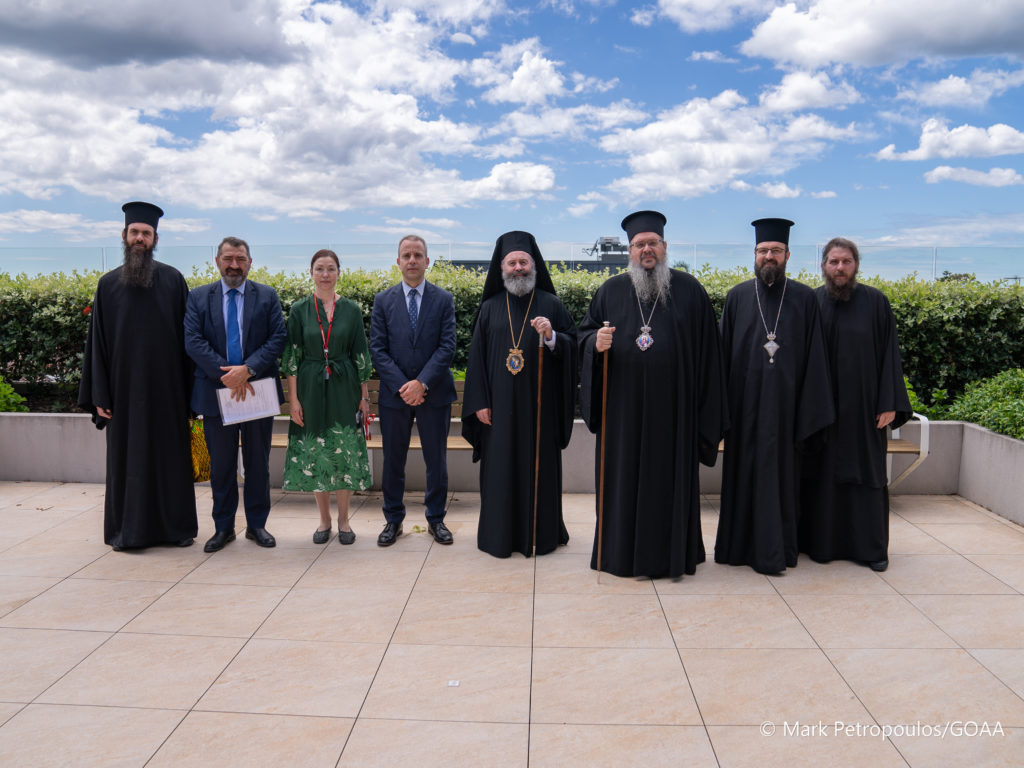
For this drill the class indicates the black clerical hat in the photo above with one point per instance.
(644, 221)
(504, 245)
(771, 230)
(141, 213)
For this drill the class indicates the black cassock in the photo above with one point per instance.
(775, 409)
(666, 414)
(506, 449)
(135, 365)
(845, 509)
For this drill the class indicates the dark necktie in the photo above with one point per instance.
(413, 311)
(234, 337)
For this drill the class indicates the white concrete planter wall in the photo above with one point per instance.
(965, 459)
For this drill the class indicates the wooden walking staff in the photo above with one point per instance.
(600, 482)
(536, 460)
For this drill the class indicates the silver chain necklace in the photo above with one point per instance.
(770, 346)
(645, 341)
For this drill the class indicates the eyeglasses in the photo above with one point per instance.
(643, 245)
(772, 251)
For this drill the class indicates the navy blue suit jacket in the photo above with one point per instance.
(263, 339)
(398, 357)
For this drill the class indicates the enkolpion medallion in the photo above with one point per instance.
(515, 361)
(645, 341)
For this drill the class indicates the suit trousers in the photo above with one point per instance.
(222, 443)
(432, 423)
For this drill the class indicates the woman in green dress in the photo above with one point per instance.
(327, 362)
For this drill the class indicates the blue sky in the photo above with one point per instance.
(290, 121)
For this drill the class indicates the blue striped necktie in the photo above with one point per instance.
(234, 337)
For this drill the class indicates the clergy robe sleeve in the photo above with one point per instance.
(892, 389)
(713, 416)
(592, 373)
(815, 407)
(94, 390)
(564, 354)
(477, 393)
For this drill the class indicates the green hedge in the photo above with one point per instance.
(996, 403)
(951, 333)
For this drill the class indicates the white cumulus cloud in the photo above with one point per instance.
(957, 91)
(995, 177)
(806, 90)
(937, 140)
(699, 15)
(870, 33)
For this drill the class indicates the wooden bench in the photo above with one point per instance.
(456, 442)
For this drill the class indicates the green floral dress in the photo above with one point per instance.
(329, 452)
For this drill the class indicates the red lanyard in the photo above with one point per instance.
(326, 339)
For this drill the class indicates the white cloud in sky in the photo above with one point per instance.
(700, 15)
(75, 227)
(716, 56)
(979, 229)
(954, 90)
(463, 39)
(824, 194)
(571, 122)
(937, 140)
(806, 90)
(995, 177)
(871, 33)
(98, 33)
(704, 145)
(315, 134)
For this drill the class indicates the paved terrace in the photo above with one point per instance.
(423, 655)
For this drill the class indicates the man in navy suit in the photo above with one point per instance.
(234, 331)
(412, 342)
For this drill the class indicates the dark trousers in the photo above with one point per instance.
(395, 430)
(222, 443)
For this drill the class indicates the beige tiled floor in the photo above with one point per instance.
(443, 656)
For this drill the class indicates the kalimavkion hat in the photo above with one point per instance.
(771, 230)
(141, 213)
(644, 221)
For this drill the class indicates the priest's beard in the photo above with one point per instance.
(138, 266)
(770, 273)
(520, 285)
(841, 292)
(651, 284)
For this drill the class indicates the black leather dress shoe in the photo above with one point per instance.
(261, 537)
(389, 535)
(879, 565)
(440, 532)
(185, 542)
(218, 540)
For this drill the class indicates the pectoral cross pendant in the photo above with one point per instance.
(771, 347)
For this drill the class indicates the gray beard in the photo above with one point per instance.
(520, 285)
(138, 266)
(770, 273)
(653, 284)
(841, 293)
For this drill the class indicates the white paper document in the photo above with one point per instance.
(255, 406)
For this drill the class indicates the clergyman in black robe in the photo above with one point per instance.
(499, 411)
(845, 509)
(136, 380)
(779, 400)
(665, 407)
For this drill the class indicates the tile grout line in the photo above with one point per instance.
(387, 645)
(682, 664)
